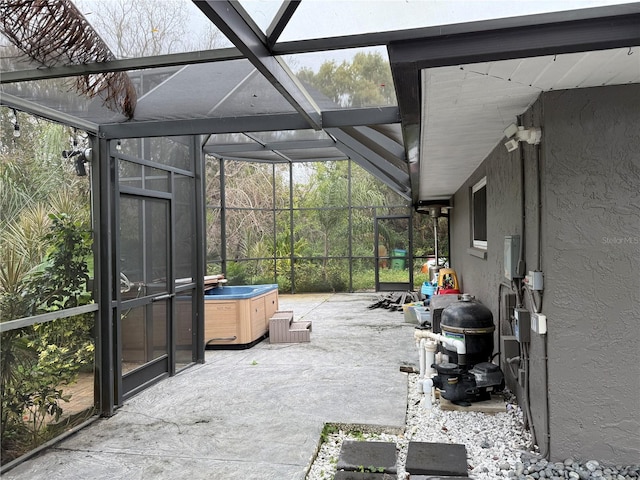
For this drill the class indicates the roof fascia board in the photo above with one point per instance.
(344, 137)
(41, 111)
(236, 24)
(157, 61)
(406, 79)
(258, 123)
(521, 42)
(280, 21)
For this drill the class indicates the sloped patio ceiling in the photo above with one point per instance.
(457, 86)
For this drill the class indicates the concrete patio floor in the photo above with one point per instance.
(255, 413)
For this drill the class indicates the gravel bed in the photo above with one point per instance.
(498, 446)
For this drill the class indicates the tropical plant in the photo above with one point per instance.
(38, 361)
(45, 250)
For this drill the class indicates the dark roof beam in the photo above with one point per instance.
(41, 111)
(522, 42)
(293, 145)
(406, 79)
(280, 21)
(258, 123)
(238, 27)
(158, 61)
(379, 143)
(398, 187)
(343, 137)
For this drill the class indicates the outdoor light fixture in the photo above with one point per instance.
(79, 154)
(119, 145)
(80, 157)
(517, 134)
(16, 125)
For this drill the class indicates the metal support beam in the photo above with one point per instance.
(141, 63)
(102, 211)
(200, 229)
(384, 146)
(280, 21)
(256, 147)
(238, 27)
(371, 161)
(401, 190)
(41, 111)
(257, 123)
(345, 136)
(360, 116)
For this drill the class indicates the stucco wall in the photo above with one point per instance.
(592, 262)
(590, 254)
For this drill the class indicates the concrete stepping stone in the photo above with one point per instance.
(342, 475)
(446, 459)
(377, 456)
(436, 477)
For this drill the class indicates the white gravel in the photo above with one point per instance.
(494, 442)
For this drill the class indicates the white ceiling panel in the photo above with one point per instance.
(467, 107)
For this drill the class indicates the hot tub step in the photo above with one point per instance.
(282, 328)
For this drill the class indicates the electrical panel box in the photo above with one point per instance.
(511, 256)
(508, 305)
(522, 325)
(510, 347)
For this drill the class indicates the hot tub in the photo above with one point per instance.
(237, 316)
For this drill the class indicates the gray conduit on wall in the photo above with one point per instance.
(538, 308)
(519, 287)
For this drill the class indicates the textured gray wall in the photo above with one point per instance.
(590, 254)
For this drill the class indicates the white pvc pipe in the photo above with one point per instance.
(430, 348)
(421, 354)
(457, 345)
(427, 387)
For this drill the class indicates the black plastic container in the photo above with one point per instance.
(472, 322)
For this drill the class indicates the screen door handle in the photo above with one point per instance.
(163, 297)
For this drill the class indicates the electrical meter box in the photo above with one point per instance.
(511, 256)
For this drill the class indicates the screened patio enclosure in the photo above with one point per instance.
(189, 104)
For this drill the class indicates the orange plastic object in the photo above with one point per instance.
(448, 281)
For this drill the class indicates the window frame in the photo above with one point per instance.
(478, 186)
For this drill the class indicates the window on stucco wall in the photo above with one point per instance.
(479, 214)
